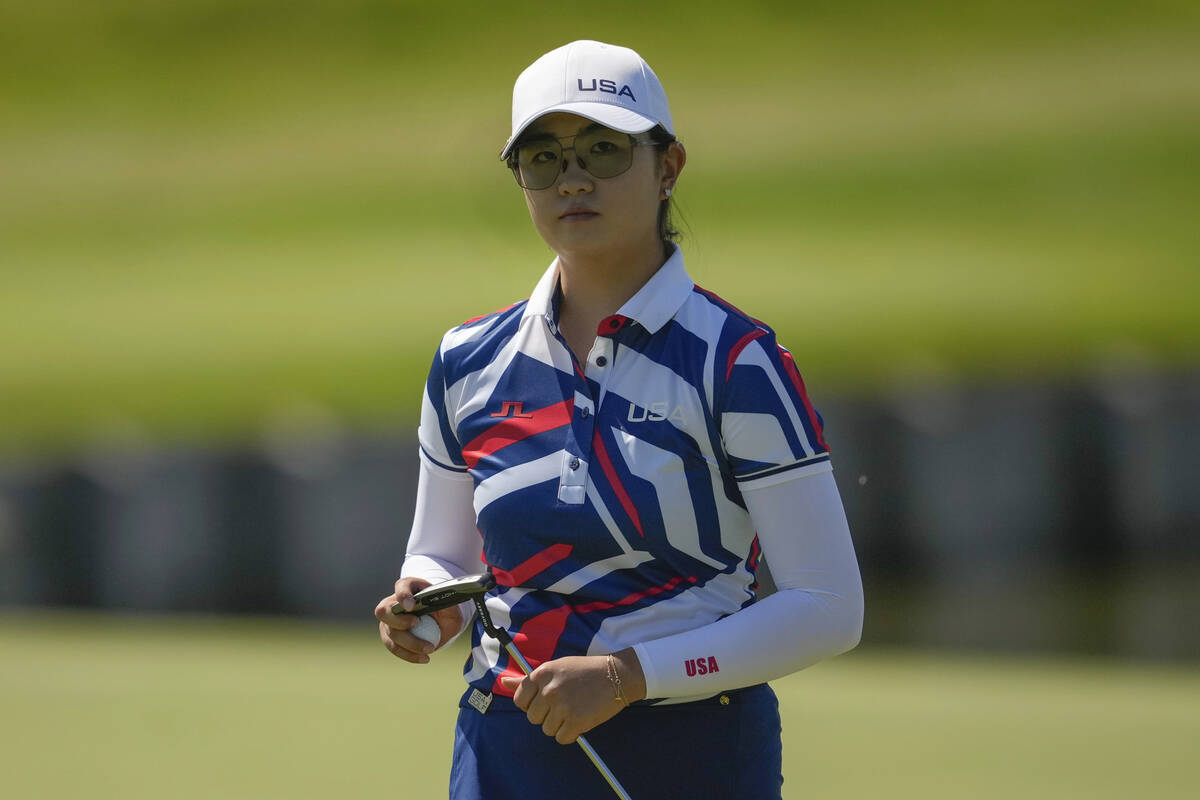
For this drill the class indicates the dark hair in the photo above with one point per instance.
(666, 223)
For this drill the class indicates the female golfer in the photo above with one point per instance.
(620, 450)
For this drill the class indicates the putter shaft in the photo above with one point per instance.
(605, 772)
(474, 588)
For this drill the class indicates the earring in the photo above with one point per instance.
(667, 192)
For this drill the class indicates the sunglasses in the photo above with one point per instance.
(538, 161)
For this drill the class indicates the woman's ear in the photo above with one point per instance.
(672, 164)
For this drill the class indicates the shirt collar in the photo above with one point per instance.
(541, 300)
(652, 306)
(662, 296)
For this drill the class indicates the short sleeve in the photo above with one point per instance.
(769, 428)
(436, 434)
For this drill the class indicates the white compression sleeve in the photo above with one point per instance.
(816, 614)
(444, 542)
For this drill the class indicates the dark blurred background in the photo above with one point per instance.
(1044, 516)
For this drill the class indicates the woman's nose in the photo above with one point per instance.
(573, 179)
(574, 157)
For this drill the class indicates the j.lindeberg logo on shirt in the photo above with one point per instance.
(656, 412)
(607, 86)
(512, 408)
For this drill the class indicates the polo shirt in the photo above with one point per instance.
(608, 493)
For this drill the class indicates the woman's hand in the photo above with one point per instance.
(571, 695)
(394, 628)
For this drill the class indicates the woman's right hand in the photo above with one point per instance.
(394, 629)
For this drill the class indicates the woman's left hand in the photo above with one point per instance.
(571, 695)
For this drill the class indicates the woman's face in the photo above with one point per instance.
(582, 216)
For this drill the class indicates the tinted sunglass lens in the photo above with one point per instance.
(537, 163)
(606, 153)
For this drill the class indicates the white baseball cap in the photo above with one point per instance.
(607, 84)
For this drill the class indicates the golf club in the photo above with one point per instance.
(474, 588)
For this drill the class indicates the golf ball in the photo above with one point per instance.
(427, 629)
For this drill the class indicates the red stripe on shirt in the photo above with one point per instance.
(520, 574)
(514, 429)
(610, 472)
(630, 599)
(737, 349)
(538, 637)
(790, 367)
(537, 641)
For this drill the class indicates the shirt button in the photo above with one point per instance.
(574, 463)
(614, 323)
(601, 361)
(586, 412)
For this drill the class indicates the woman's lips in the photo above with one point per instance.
(577, 214)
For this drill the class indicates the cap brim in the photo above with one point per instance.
(616, 117)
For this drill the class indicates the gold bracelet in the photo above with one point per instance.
(615, 679)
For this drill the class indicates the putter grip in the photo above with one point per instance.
(416, 612)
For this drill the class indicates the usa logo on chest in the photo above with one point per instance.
(656, 412)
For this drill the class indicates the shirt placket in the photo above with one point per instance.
(577, 455)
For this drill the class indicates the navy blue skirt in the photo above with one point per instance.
(706, 749)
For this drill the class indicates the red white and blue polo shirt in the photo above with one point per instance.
(608, 494)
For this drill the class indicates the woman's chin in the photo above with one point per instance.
(589, 238)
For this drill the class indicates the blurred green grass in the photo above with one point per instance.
(216, 211)
(118, 707)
